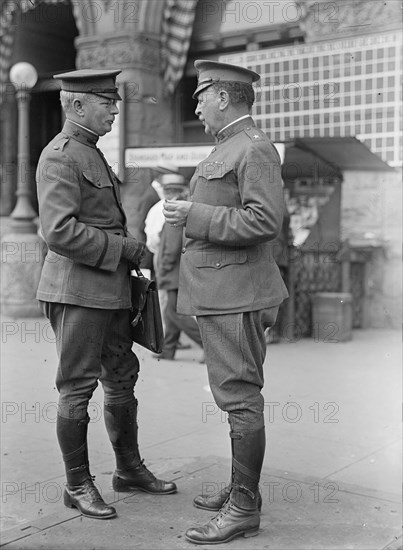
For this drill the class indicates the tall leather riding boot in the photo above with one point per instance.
(130, 474)
(240, 514)
(80, 491)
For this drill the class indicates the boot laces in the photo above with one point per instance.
(224, 510)
(92, 490)
(145, 470)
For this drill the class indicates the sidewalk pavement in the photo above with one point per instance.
(332, 471)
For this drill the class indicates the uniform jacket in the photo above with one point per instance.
(83, 224)
(169, 256)
(227, 263)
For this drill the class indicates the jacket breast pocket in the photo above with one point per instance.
(217, 185)
(96, 178)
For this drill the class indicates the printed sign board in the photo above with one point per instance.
(181, 156)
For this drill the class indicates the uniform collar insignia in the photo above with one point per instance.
(80, 133)
(234, 128)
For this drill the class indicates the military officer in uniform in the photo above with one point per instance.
(229, 280)
(85, 290)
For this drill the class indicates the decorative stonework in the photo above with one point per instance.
(325, 19)
(125, 51)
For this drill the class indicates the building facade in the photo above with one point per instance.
(329, 70)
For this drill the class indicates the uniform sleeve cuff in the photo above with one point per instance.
(199, 220)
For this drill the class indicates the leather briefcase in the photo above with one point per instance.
(145, 318)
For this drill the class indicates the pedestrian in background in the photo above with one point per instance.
(85, 291)
(153, 225)
(229, 280)
(169, 255)
(149, 220)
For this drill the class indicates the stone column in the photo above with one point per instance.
(130, 41)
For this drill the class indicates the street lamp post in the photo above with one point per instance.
(21, 247)
(24, 77)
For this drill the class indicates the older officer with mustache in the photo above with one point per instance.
(230, 282)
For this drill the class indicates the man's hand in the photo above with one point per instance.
(133, 250)
(176, 212)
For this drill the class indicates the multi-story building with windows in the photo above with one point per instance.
(346, 87)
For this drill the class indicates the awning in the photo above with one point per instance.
(328, 156)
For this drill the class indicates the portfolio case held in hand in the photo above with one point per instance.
(145, 317)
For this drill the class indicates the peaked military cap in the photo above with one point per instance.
(165, 167)
(173, 180)
(90, 81)
(209, 72)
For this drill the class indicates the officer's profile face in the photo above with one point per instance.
(208, 111)
(99, 113)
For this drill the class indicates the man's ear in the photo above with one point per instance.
(223, 100)
(78, 107)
